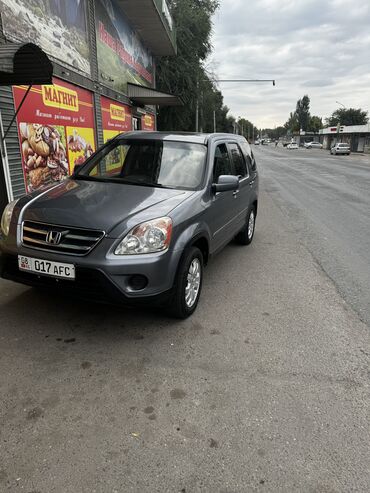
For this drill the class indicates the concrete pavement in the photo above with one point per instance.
(326, 200)
(265, 388)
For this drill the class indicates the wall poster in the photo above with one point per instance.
(56, 131)
(117, 118)
(122, 57)
(59, 27)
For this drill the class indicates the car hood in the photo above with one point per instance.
(100, 205)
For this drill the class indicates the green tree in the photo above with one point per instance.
(303, 112)
(292, 124)
(315, 124)
(184, 74)
(347, 116)
(247, 129)
(274, 133)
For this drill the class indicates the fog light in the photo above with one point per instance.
(137, 282)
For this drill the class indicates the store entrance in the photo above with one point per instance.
(3, 191)
(136, 123)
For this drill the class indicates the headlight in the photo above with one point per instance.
(6, 217)
(149, 237)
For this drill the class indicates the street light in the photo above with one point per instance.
(338, 126)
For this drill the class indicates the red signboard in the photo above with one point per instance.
(117, 118)
(56, 131)
(148, 122)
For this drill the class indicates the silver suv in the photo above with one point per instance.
(340, 148)
(137, 222)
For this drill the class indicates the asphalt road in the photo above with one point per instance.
(265, 388)
(327, 201)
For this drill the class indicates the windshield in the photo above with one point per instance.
(149, 163)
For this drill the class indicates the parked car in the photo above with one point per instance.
(137, 222)
(340, 148)
(312, 145)
(257, 142)
(292, 145)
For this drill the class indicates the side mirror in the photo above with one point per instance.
(226, 183)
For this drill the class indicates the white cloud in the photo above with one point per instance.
(315, 47)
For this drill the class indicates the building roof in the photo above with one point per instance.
(346, 129)
(153, 22)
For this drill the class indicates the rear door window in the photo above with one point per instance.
(248, 155)
(238, 160)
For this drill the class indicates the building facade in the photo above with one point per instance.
(357, 136)
(103, 54)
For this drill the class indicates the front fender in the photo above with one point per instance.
(192, 233)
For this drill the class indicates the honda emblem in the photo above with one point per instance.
(53, 237)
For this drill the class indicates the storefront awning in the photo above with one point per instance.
(142, 95)
(24, 63)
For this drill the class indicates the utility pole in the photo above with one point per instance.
(214, 121)
(197, 109)
(222, 80)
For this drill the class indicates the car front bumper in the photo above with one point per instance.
(100, 277)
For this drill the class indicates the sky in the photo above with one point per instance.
(315, 47)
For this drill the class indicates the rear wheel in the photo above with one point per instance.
(188, 284)
(245, 236)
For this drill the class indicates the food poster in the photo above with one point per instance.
(148, 122)
(56, 131)
(117, 118)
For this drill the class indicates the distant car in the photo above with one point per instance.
(340, 148)
(264, 142)
(257, 142)
(292, 145)
(312, 145)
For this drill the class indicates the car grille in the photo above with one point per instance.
(60, 239)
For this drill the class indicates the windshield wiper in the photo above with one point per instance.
(121, 180)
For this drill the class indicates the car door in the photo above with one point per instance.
(243, 194)
(223, 210)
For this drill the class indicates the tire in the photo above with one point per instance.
(191, 264)
(245, 236)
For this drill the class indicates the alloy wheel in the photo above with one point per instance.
(193, 282)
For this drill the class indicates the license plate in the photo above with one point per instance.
(46, 267)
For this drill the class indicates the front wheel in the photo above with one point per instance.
(245, 236)
(188, 284)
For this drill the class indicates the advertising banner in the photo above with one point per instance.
(58, 26)
(122, 57)
(56, 131)
(148, 122)
(117, 118)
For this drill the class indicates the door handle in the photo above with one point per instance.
(235, 193)
(251, 182)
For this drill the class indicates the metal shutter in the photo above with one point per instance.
(98, 120)
(12, 142)
(94, 71)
